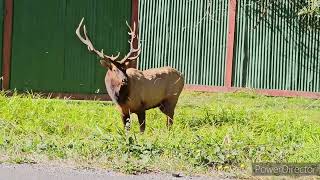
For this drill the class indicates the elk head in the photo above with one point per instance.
(116, 79)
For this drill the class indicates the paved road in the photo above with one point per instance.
(46, 172)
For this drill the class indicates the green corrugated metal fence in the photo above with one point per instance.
(46, 54)
(274, 49)
(187, 35)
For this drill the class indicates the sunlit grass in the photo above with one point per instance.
(211, 131)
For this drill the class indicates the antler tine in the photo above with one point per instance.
(85, 41)
(78, 32)
(138, 50)
(134, 27)
(89, 44)
(135, 57)
(132, 33)
(113, 58)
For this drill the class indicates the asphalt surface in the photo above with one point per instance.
(48, 172)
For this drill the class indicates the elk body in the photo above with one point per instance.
(135, 91)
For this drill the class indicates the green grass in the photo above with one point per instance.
(211, 131)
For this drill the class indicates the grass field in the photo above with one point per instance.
(211, 131)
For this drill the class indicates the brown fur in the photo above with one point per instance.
(143, 90)
(150, 87)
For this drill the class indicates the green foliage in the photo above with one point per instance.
(210, 131)
(311, 8)
(305, 12)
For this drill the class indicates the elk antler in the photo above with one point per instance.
(132, 34)
(87, 42)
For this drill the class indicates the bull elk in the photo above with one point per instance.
(135, 91)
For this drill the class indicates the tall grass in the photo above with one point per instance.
(210, 131)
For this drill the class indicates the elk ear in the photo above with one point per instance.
(127, 64)
(106, 64)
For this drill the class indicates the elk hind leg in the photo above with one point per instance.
(142, 120)
(167, 107)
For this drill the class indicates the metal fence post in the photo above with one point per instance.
(7, 33)
(232, 11)
(135, 19)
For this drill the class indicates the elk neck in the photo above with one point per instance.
(117, 85)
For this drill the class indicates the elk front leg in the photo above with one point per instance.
(142, 120)
(126, 121)
(170, 118)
